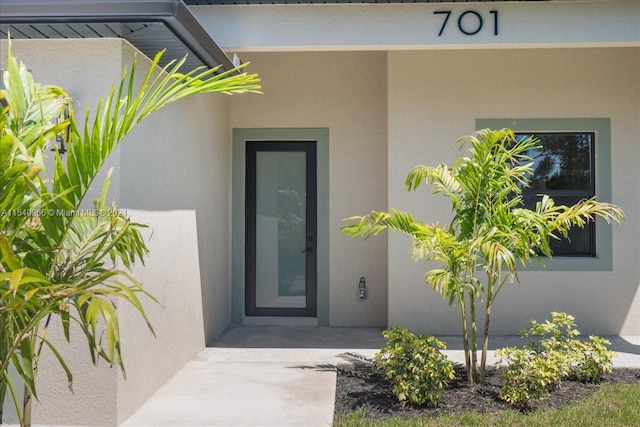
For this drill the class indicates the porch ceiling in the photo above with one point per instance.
(149, 25)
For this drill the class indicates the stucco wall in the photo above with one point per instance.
(448, 91)
(85, 76)
(174, 280)
(181, 160)
(345, 92)
(175, 172)
(65, 64)
(177, 177)
(413, 25)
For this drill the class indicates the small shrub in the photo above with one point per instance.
(586, 361)
(414, 365)
(594, 361)
(555, 355)
(528, 375)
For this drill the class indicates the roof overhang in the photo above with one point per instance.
(149, 25)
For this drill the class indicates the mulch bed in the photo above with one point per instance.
(365, 387)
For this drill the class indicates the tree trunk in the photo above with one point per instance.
(465, 340)
(2, 394)
(485, 335)
(26, 408)
(474, 339)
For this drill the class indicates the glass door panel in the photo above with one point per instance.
(280, 229)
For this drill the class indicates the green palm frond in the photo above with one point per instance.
(561, 218)
(123, 109)
(57, 261)
(490, 229)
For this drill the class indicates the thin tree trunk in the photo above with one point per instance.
(465, 339)
(485, 341)
(3, 385)
(3, 393)
(487, 319)
(26, 408)
(474, 339)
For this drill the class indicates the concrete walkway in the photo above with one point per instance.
(283, 376)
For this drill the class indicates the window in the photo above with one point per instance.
(563, 168)
(574, 163)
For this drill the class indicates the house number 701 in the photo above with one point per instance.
(470, 22)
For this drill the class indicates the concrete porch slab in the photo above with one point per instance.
(252, 393)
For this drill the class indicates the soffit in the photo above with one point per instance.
(149, 25)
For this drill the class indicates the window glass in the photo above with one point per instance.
(563, 162)
(590, 250)
(563, 168)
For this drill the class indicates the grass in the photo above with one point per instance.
(612, 405)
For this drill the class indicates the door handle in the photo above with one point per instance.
(309, 249)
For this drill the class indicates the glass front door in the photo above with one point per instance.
(281, 228)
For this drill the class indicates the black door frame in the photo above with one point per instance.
(309, 147)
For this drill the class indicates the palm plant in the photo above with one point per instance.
(57, 261)
(490, 231)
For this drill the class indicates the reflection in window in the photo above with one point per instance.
(563, 168)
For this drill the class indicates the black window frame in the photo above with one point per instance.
(567, 247)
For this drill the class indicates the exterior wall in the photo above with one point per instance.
(179, 182)
(52, 62)
(415, 26)
(174, 280)
(345, 92)
(65, 64)
(529, 60)
(175, 172)
(181, 161)
(449, 90)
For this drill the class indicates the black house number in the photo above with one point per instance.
(470, 22)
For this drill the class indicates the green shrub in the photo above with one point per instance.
(555, 355)
(414, 365)
(586, 361)
(528, 375)
(593, 361)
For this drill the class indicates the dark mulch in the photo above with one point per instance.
(366, 388)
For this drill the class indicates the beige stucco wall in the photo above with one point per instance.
(436, 96)
(85, 76)
(101, 395)
(60, 63)
(182, 160)
(345, 92)
(174, 170)
(177, 316)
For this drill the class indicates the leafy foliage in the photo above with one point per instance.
(585, 361)
(415, 366)
(56, 260)
(490, 230)
(528, 375)
(555, 355)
